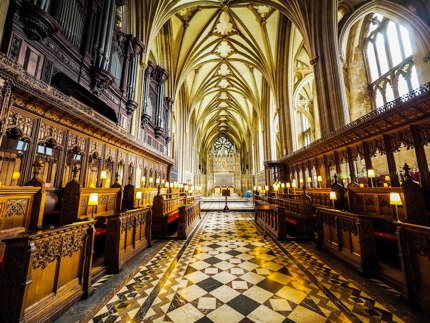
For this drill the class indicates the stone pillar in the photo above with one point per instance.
(325, 58)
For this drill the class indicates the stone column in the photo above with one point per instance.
(325, 58)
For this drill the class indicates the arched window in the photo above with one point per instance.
(223, 146)
(390, 64)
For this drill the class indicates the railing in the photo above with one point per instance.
(46, 272)
(348, 236)
(128, 233)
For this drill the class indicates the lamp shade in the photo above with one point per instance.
(94, 199)
(151, 179)
(333, 195)
(103, 174)
(301, 180)
(16, 175)
(387, 178)
(266, 188)
(259, 188)
(294, 185)
(395, 199)
(157, 181)
(282, 185)
(143, 179)
(309, 179)
(288, 185)
(319, 178)
(371, 173)
(138, 195)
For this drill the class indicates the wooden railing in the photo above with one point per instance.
(128, 233)
(46, 272)
(188, 217)
(348, 236)
(415, 257)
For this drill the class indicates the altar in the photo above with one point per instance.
(218, 190)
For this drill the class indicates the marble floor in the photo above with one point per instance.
(228, 272)
(233, 203)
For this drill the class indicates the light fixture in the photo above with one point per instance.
(103, 174)
(15, 177)
(396, 200)
(139, 198)
(361, 185)
(301, 180)
(319, 180)
(157, 181)
(333, 197)
(371, 175)
(255, 188)
(93, 201)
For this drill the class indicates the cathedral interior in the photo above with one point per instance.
(214, 161)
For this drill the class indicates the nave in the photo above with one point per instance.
(229, 272)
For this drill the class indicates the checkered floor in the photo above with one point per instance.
(227, 272)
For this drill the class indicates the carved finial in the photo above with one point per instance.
(335, 178)
(158, 190)
(304, 189)
(407, 169)
(116, 177)
(75, 172)
(37, 166)
(129, 179)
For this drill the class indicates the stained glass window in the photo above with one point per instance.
(223, 146)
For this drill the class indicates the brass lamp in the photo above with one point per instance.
(138, 198)
(93, 201)
(396, 200)
(371, 175)
(333, 197)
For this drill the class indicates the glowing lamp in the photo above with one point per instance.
(255, 188)
(371, 173)
(387, 178)
(319, 178)
(151, 180)
(385, 184)
(288, 185)
(333, 196)
(395, 199)
(143, 179)
(103, 174)
(266, 188)
(309, 179)
(361, 185)
(259, 188)
(172, 185)
(16, 175)
(157, 181)
(94, 199)
(301, 180)
(138, 195)
(166, 184)
(282, 185)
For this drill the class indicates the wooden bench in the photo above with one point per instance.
(45, 273)
(415, 259)
(128, 233)
(298, 214)
(165, 214)
(271, 219)
(348, 236)
(189, 216)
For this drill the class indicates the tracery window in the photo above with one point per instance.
(390, 64)
(223, 146)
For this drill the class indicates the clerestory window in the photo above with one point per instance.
(390, 63)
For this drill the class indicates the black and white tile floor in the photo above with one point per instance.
(227, 272)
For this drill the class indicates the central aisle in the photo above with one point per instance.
(228, 272)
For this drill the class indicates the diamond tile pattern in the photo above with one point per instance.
(229, 273)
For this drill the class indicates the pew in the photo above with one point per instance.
(45, 272)
(188, 217)
(128, 233)
(165, 213)
(20, 211)
(348, 236)
(285, 217)
(414, 244)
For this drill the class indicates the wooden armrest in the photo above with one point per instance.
(385, 236)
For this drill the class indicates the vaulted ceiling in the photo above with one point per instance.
(221, 55)
(220, 52)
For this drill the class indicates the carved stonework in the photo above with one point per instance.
(76, 141)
